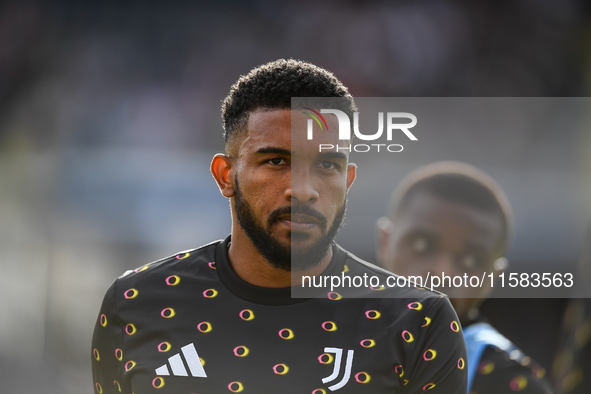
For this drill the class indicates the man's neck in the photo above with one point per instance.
(253, 268)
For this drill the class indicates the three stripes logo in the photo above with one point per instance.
(178, 366)
(337, 367)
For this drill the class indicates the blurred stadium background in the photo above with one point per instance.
(109, 116)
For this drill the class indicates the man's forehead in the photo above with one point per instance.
(426, 208)
(268, 128)
(265, 120)
(289, 128)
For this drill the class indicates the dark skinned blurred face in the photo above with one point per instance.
(436, 236)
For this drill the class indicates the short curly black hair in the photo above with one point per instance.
(272, 85)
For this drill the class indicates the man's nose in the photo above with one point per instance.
(444, 263)
(302, 187)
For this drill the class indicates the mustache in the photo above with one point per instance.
(297, 209)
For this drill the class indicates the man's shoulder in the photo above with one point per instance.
(503, 367)
(505, 372)
(197, 257)
(390, 284)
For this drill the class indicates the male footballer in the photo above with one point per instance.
(221, 318)
(449, 218)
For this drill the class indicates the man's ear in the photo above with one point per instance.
(351, 174)
(222, 169)
(384, 228)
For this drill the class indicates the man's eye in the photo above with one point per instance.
(469, 262)
(329, 165)
(277, 161)
(420, 245)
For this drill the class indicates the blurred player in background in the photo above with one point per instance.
(221, 318)
(450, 218)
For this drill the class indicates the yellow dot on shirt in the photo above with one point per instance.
(518, 383)
(484, 368)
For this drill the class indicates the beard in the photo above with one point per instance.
(277, 253)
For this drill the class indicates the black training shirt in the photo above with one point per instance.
(188, 324)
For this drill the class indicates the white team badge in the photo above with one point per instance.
(337, 367)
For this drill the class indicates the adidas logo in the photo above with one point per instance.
(178, 366)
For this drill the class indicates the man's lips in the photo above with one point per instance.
(299, 222)
(298, 218)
